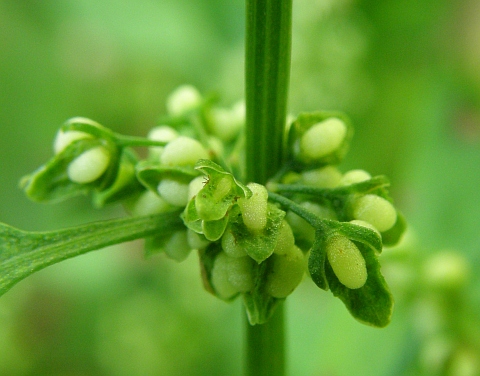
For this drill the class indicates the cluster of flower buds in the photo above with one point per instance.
(253, 242)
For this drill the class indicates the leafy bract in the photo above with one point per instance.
(23, 253)
(50, 183)
(208, 212)
(220, 192)
(125, 184)
(372, 303)
(258, 245)
(213, 230)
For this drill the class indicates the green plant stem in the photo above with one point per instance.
(267, 68)
(267, 72)
(265, 346)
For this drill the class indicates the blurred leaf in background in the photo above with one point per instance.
(406, 72)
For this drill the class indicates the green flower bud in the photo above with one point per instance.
(149, 203)
(173, 192)
(196, 241)
(346, 261)
(219, 277)
(177, 247)
(254, 209)
(354, 176)
(162, 133)
(183, 151)
(375, 210)
(286, 272)
(285, 240)
(227, 123)
(230, 245)
(184, 99)
(89, 166)
(326, 177)
(323, 138)
(240, 273)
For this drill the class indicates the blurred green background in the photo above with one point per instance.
(408, 74)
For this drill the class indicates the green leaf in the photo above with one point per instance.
(23, 253)
(258, 245)
(218, 194)
(50, 183)
(214, 170)
(316, 261)
(362, 234)
(371, 304)
(213, 230)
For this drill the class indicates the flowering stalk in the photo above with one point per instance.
(267, 68)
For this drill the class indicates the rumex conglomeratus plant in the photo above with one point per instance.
(189, 193)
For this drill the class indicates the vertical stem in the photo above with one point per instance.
(267, 72)
(265, 352)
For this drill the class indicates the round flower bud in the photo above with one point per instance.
(254, 209)
(177, 247)
(196, 241)
(285, 240)
(89, 165)
(326, 177)
(227, 123)
(183, 151)
(375, 210)
(286, 272)
(354, 176)
(240, 273)
(162, 133)
(174, 192)
(185, 98)
(219, 277)
(323, 138)
(346, 261)
(149, 203)
(230, 245)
